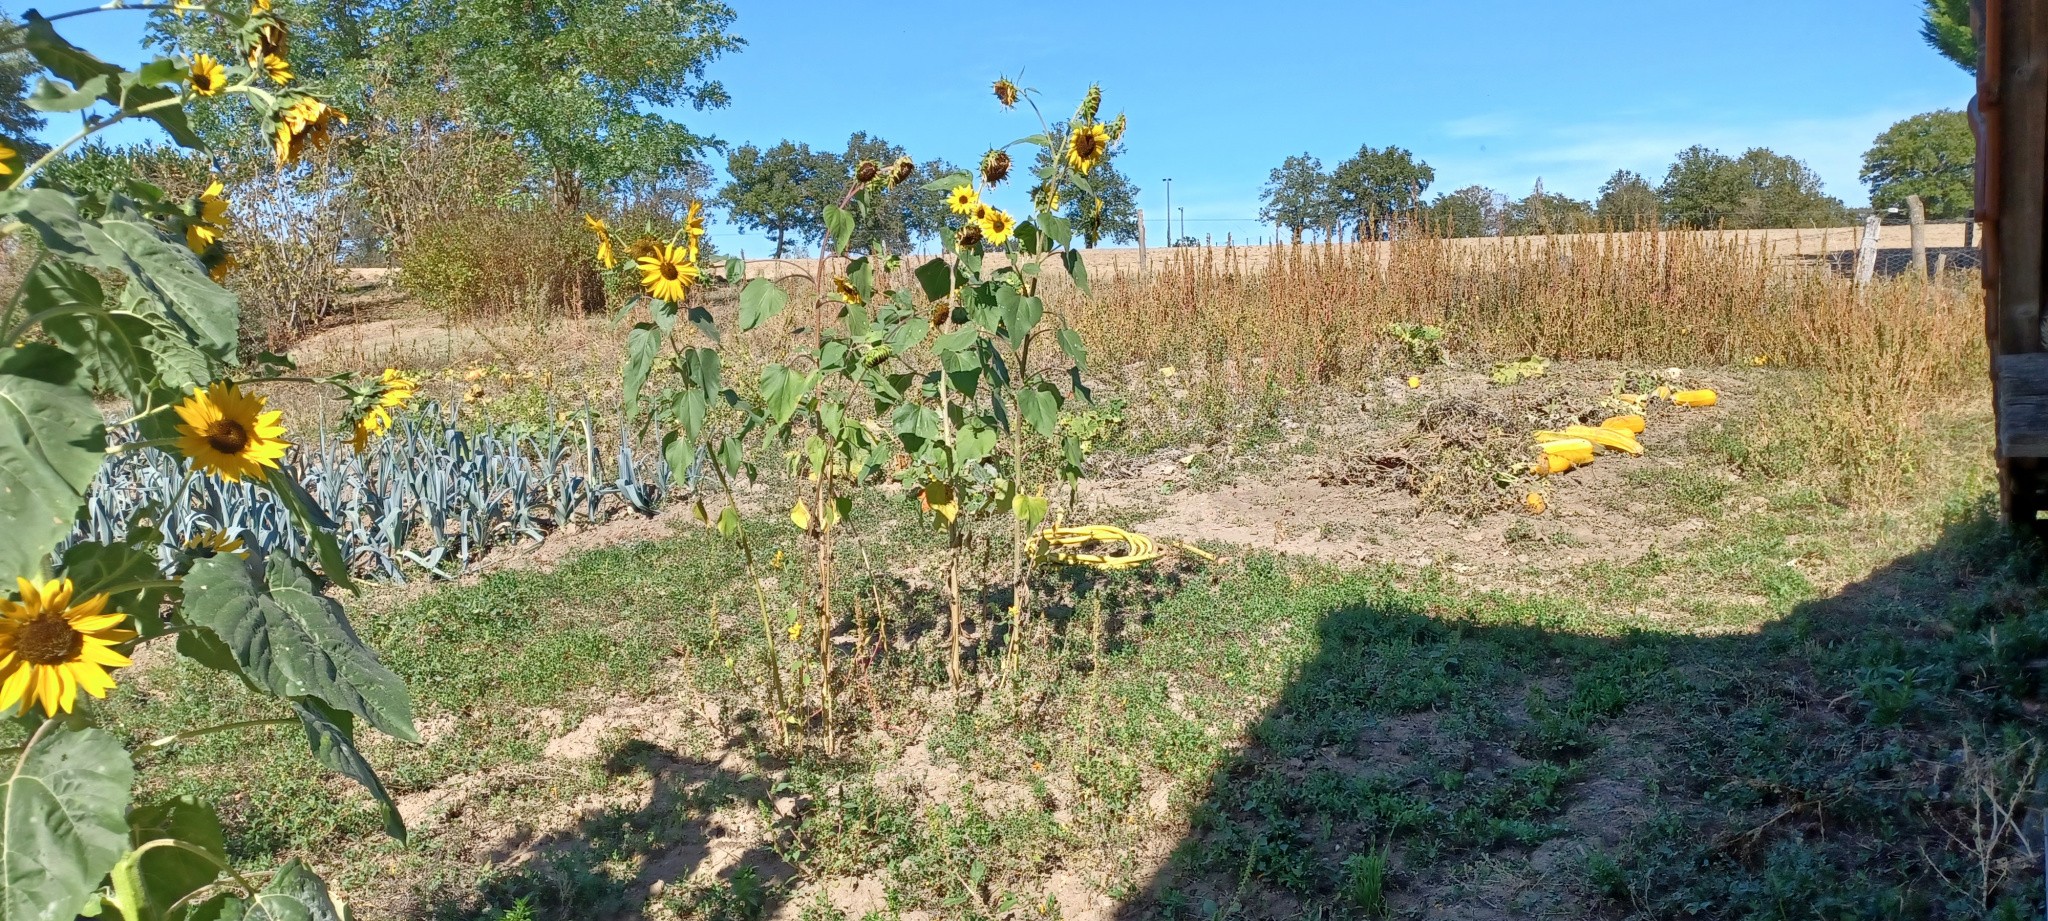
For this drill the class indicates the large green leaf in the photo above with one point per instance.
(62, 825)
(133, 349)
(839, 226)
(293, 642)
(294, 894)
(168, 273)
(643, 345)
(51, 443)
(311, 519)
(332, 735)
(760, 300)
(783, 389)
(1039, 404)
(149, 882)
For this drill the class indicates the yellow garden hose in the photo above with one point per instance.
(1059, 544)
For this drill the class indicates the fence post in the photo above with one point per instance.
(1141, 241)
(1866, 255)
(1940, 266)
(1916, 213)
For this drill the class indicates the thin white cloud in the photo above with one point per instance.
(1480, 126)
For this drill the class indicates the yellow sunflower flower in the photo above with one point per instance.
(227, 433)
(215, 542)
(206, 229)
(8, 156)
(847, 292)
(306, 123)
(186, 6)
(50, 649)
(398, 388)
(277, 69)
(693, 227)
(208, 77)
(270, 35)
(1087, 146)
(219, 270)
(963, 200)
(667, 273)
(372, 425)
(996, 226)
(605, 256)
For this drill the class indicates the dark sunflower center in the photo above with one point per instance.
(48, 640)
(669, 271)
(1084, 145)
(227, 436)
(203, 82)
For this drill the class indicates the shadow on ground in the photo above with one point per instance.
(1876, 754)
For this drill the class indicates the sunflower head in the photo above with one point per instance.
(303, 124)
(207, 76)
(693, 227)
(209, 221)
(1087, 145)
(228, 433)
(996, 226)
(845, 289)
(51, 648)
(963, 200)
(9, 159)
(667, 273)
(277, 69)
(1006, 92)
(372, 425)
(396, 388)
(605, 256)
(214, 542)
(970, 235)
(900, 171)
(995, 167)
(868, 171)
(264, 34)
(1091, 104)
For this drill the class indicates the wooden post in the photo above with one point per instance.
(1940, 266)
(1141, 241)
(1866, 255)
(1916, 214)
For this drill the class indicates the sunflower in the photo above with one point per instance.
(304, 124)
(277, 69)
(996, 226)
(963, 200)
(398, 388)
(605, 256)
(212, 220)
(643, 247)
(373, 424)
(693, 227)
(8, 156)
(208, 77)
(995, 167)
(667, 273)
(901, 170)
(847, 292)
(51, 648)
(1087, 146)
(219, 270)
(265, 33)
(228, 433)
(186, 6)
(1006, 92)
(214, 542)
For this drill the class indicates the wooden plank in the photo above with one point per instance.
(2022, 389)
(2023, 176)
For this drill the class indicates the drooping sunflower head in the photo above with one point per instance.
(868, 171)
(228, 433)
(396, 388)
(668, 273)
(210, 221)
(900, 171)
(845, 289)
(693, 224)
(963, 200)
(304, 124)
(214, 542)
(643, 247)
(970, 235)
(264, 34)
(1087, 145)
(995, 167)
(207, 76)
(277, 69)
(996, 226)
(9, 158)
(605, 256)
(1006, 92)
(372, 425)
(51, 648)
(1091, 104)
(218, 270)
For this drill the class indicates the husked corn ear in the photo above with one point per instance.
(1695, 398)
(1630, 424)
(1558, 463)
(1545, 437)
(1606, 438)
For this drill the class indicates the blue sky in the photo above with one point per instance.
(1493, 92)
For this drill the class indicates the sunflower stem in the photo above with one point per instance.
(248, 888)
(187, 735)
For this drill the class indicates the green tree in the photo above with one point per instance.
(579, 85)
(1473, 211)
(1628, 202)
(900, 215)
(17, 121)
(1761, 188)
(1933, 156)
(779, 191)
(1945, 24)
(1378, 184)
(1548, 213)
(1297, 196)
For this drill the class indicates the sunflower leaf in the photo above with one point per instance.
(294, 894)
(62, 821)
(52, 441)
(760, 301)
(332, 735)
(319, 528)
(151, 882)
(290, 641)
(839, 226)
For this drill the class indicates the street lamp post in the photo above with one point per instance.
(1170, 240)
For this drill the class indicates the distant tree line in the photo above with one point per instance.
(1930, 155)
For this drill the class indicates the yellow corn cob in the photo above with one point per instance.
(1535, 503)
(1695, 398)
(1563, 455)
(1606, 438)
(1547, 436)
(1630, 424)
